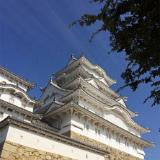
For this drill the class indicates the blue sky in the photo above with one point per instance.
(36, 41)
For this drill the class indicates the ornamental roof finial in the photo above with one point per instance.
(52, 76)
(73, 57)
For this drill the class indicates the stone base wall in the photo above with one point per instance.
(114, 153)
(13, 151)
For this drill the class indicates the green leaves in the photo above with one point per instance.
(134, 27)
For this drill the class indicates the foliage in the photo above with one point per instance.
(134, 27)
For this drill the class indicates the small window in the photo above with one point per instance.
(10, 110)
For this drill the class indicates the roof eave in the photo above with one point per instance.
(28, 84)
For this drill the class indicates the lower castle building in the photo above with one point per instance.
(77, 117)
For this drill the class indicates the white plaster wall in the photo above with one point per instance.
(67, 123)
(91, 108)
(102, 135)
(36, 141)
(16, 101)
(65, 120)
(116, 119)
(4, 113)
(8, 81)
(110, 116)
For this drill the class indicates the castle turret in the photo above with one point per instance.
(14, 100)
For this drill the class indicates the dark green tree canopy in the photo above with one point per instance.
(134, 27)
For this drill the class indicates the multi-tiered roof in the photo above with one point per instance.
(83, 81)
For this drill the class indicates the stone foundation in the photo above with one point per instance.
(114, 153)
(13, 151)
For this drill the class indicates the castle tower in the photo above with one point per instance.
(79, 102)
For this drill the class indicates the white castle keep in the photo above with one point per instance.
(77, 117)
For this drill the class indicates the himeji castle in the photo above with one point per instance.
(77, 117)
